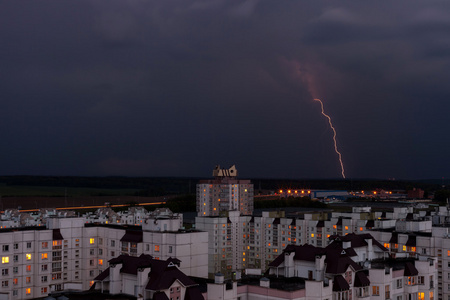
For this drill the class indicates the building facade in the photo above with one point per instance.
(224, 193)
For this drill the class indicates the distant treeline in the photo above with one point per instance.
(289, 202)
(159, 186)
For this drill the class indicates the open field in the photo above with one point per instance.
(56, 191)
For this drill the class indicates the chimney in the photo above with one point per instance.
(219, 278)
(264, 282)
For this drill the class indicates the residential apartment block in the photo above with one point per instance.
(224, 193)
(69, 252)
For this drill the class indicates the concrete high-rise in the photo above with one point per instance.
(224, 193)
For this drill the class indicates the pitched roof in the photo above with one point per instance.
(131, 264)
(338, 262)
(277, 261)
(411, 242)
(160, 296)
(132, 236)
(340, 284)
(57, 235)
(337, 259)
(163, 275)
(361, 279)
(410, 270)
(394, 238)
(193, 294)
(103, 275)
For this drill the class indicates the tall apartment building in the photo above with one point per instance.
(355, 266)
(224, 193)
(239, 243)
(67, 253)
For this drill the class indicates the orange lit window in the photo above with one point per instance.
(28, 291)
(289, 239)
(156, 248)
(214, 208)
(334, 226)
(413, 249)
(312, 234)
(346, 227)
(100, 262)
(91, 283)
(328, 235)
(5, 259)
(386, 245)
(448, 252)
(243, 259)
(360, 229)
(275, 250)
(91, 241)
(44, 256)
(15, 281)
(28, 268)
(28, 256)
(268, 245)
(243, 253)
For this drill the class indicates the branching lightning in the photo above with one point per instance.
(334, 138)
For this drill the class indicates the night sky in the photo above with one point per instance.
(172, 88)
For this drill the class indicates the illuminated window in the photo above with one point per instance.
(334, 226)
(100, 262)
(243, 253)
(28, 268)
(360, 229)
(91, 241)
(28, 256)
(156, 248)
(5, 259)
(386, 245)
(328, 235)
(312, 234)
(346, 227)
(243, 259)
(375, 290)
(413, 249)
(268, 244)
(431, 295)
(44, 255)
(28, 280)
(91, 283)
(404, 248)
(214, 208)
(15, 281)
(420, 296)
(44, 290)
(28, 291)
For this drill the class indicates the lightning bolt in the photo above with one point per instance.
(334, 137)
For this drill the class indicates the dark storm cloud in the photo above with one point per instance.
(172, 88)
